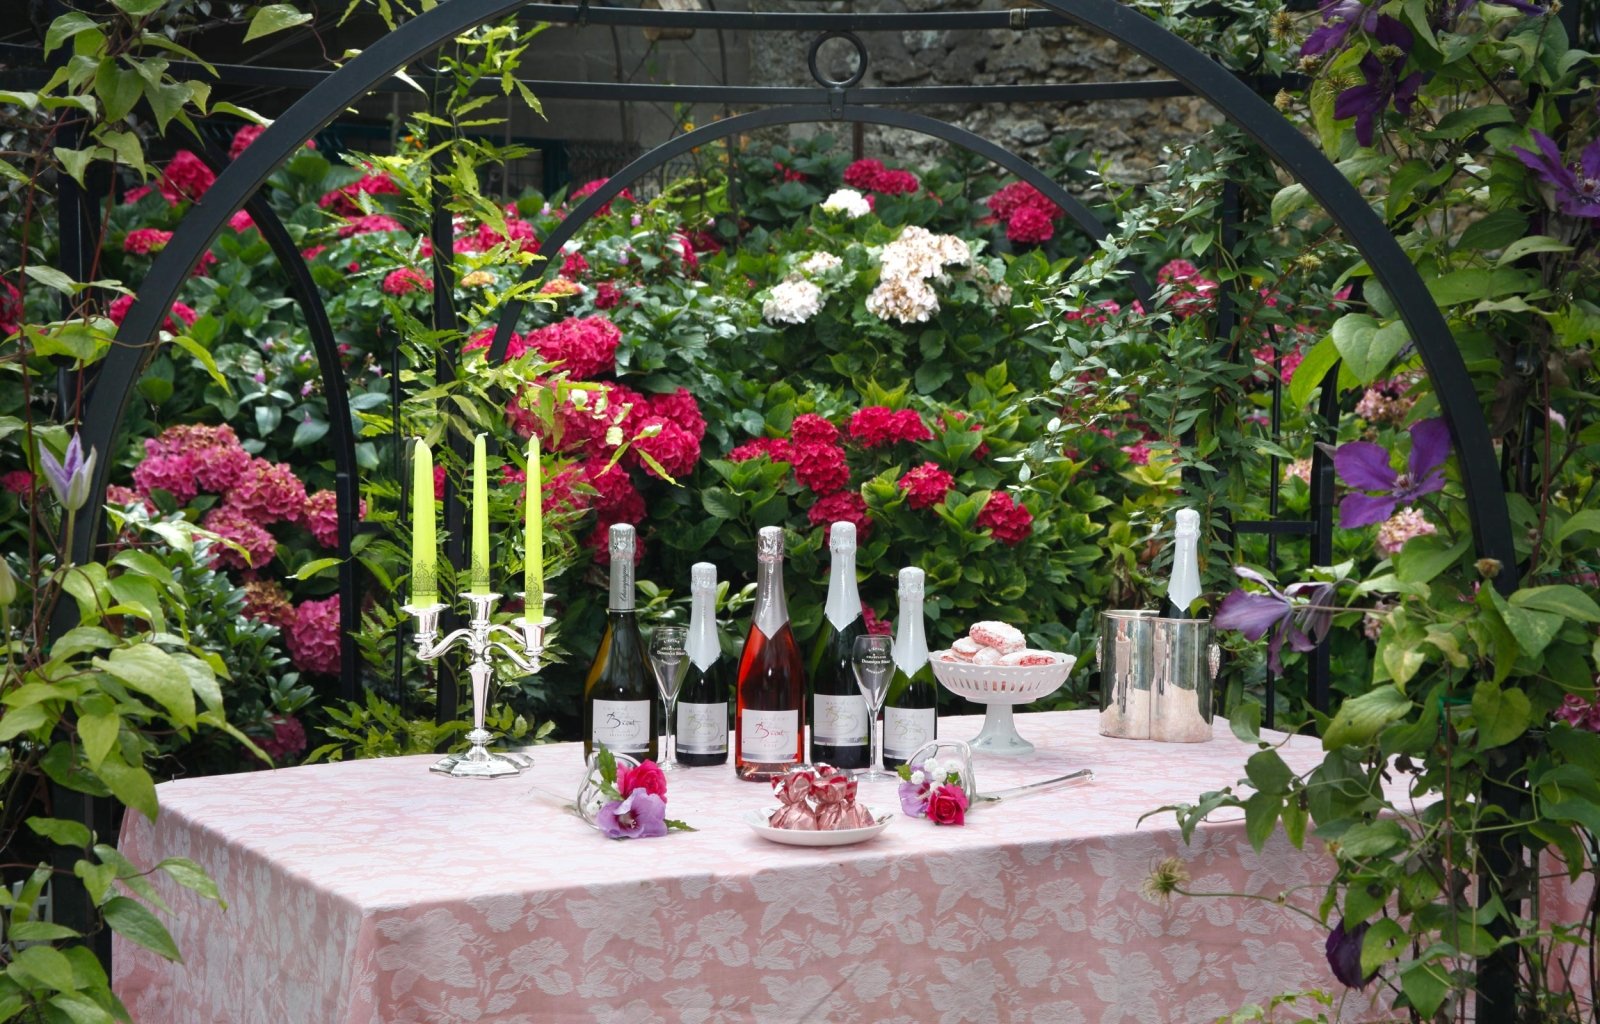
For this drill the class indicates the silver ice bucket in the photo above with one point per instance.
(1125, 652)
(1184, 662)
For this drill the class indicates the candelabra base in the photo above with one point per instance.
(479, 763)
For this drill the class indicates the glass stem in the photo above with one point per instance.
(876, 761)
(668, 743)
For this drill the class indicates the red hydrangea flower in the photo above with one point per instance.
(313, 252)
(515, 348)
(268, 492)
(367, 224)
(585, 347)
(871, 176)
(820, 467)
(607, 295)
(118, 312)
(674, 448)
(243, 138)
(1029, 216)
(173, 473)
(229, 523)
(186, 176)
(615, 497)
(876, 626)
(703, 241)
(288, 738)
(809, 428)
(519, 235)
(786, 173)
(267, 601)
(202, 267)
(438, 483)
(574, 266)
(680, 246)
(242, 221)
(322, 517)
(1096, 313)
(406, 280)
(213, 455)
(775, 448)
(18, 481)
(343, 201)
(136, 193)
(1030, 226)
(877, 426)
(680, 407)
(589, 188)
(144, 241)
(1010, 522)
(897, 183)
(926, 485)
(314, 636)
(844, 506)
(10, 309)
(863, 174)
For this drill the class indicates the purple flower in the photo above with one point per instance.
(1576, 188)
(1365, 467)
(70, 479)
(914, 799)
(1297, 615)
(639, 815)
(1579, 713)
(1381, 69)
(1344, 955)
(1339, 19)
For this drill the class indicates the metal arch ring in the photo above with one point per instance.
(861, 59)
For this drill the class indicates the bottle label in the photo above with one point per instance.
(703, 728)
(906, 729)
(769, 737)
(622, 726)
(839, 721)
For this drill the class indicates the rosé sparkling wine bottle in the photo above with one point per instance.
(769, 732)
(618, 697)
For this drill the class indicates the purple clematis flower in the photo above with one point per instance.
(1383, 84)
(1344, 955)
(71, 478)
(1365, 466)
(639, 815)
(1297, 615)
(1339, 19)
(1576, 188)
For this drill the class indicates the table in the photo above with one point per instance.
(375, 892)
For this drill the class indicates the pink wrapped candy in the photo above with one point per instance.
(1029, 656)
(793, 791)
(998, 635)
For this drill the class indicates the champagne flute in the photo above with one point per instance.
(873, 662)
(669, 661)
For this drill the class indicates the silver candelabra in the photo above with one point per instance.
(479, 636)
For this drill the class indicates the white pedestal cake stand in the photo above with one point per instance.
(1001, 687)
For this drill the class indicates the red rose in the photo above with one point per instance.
(947, 805)
(647, 776)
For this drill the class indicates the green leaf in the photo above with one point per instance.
(152, 671)
(1475, 285)
(315, 567)
(1385, 940)
(1260, 816)
(52, 278)
(139, 8)
(1426, 557)
(82, 340)
(1267, 772)
(1362, 717)
(40, 931)
(1533, 630)
(1287, 200)
(1321, 360)
(76, 161)
(1425, 987)
(64, 28)
(45, 965)
(931, 376)
(1587, 521)
(274, 18)
(80, 1009)
(1245, 721)
(1367, 346)
(719, 503)
(1502, 715)
(1532, 244)
(20, 720)
(132, 921)
(62, 831)
(1371, 839)
(129, 783)
(1460, 123)
(191, 876)
(203, 355)
(1564, 600)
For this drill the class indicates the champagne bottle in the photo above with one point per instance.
(702, 726)
(618, 697)
(910, 716)
(769, 732)
(839, 713)
(1184, 585)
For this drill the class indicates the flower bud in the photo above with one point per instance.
(8, 584)
(1488, 568)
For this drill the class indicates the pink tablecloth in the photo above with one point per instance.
(375, 892)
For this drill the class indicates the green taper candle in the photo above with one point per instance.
(533, 558)
(424, 545)
(480, 517)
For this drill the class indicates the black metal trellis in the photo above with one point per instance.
(1192, 74)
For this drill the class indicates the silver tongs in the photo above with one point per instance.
(1074, 779)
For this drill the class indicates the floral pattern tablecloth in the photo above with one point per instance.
(375, 892)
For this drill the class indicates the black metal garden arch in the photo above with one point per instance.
(1196, 74)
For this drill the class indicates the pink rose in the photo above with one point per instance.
(647, 776)
(947, 805)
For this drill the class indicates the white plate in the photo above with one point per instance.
(757, 820)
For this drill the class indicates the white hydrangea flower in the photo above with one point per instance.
(820, 263)
(848, 202)
(907, 264)
(792, 301)
(909, 300)
(918, 778)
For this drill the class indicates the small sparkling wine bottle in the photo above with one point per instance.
(838, 711)
(769, 732)
(702, 725)
(618, 696)
(1184, 584)
(910, 711)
